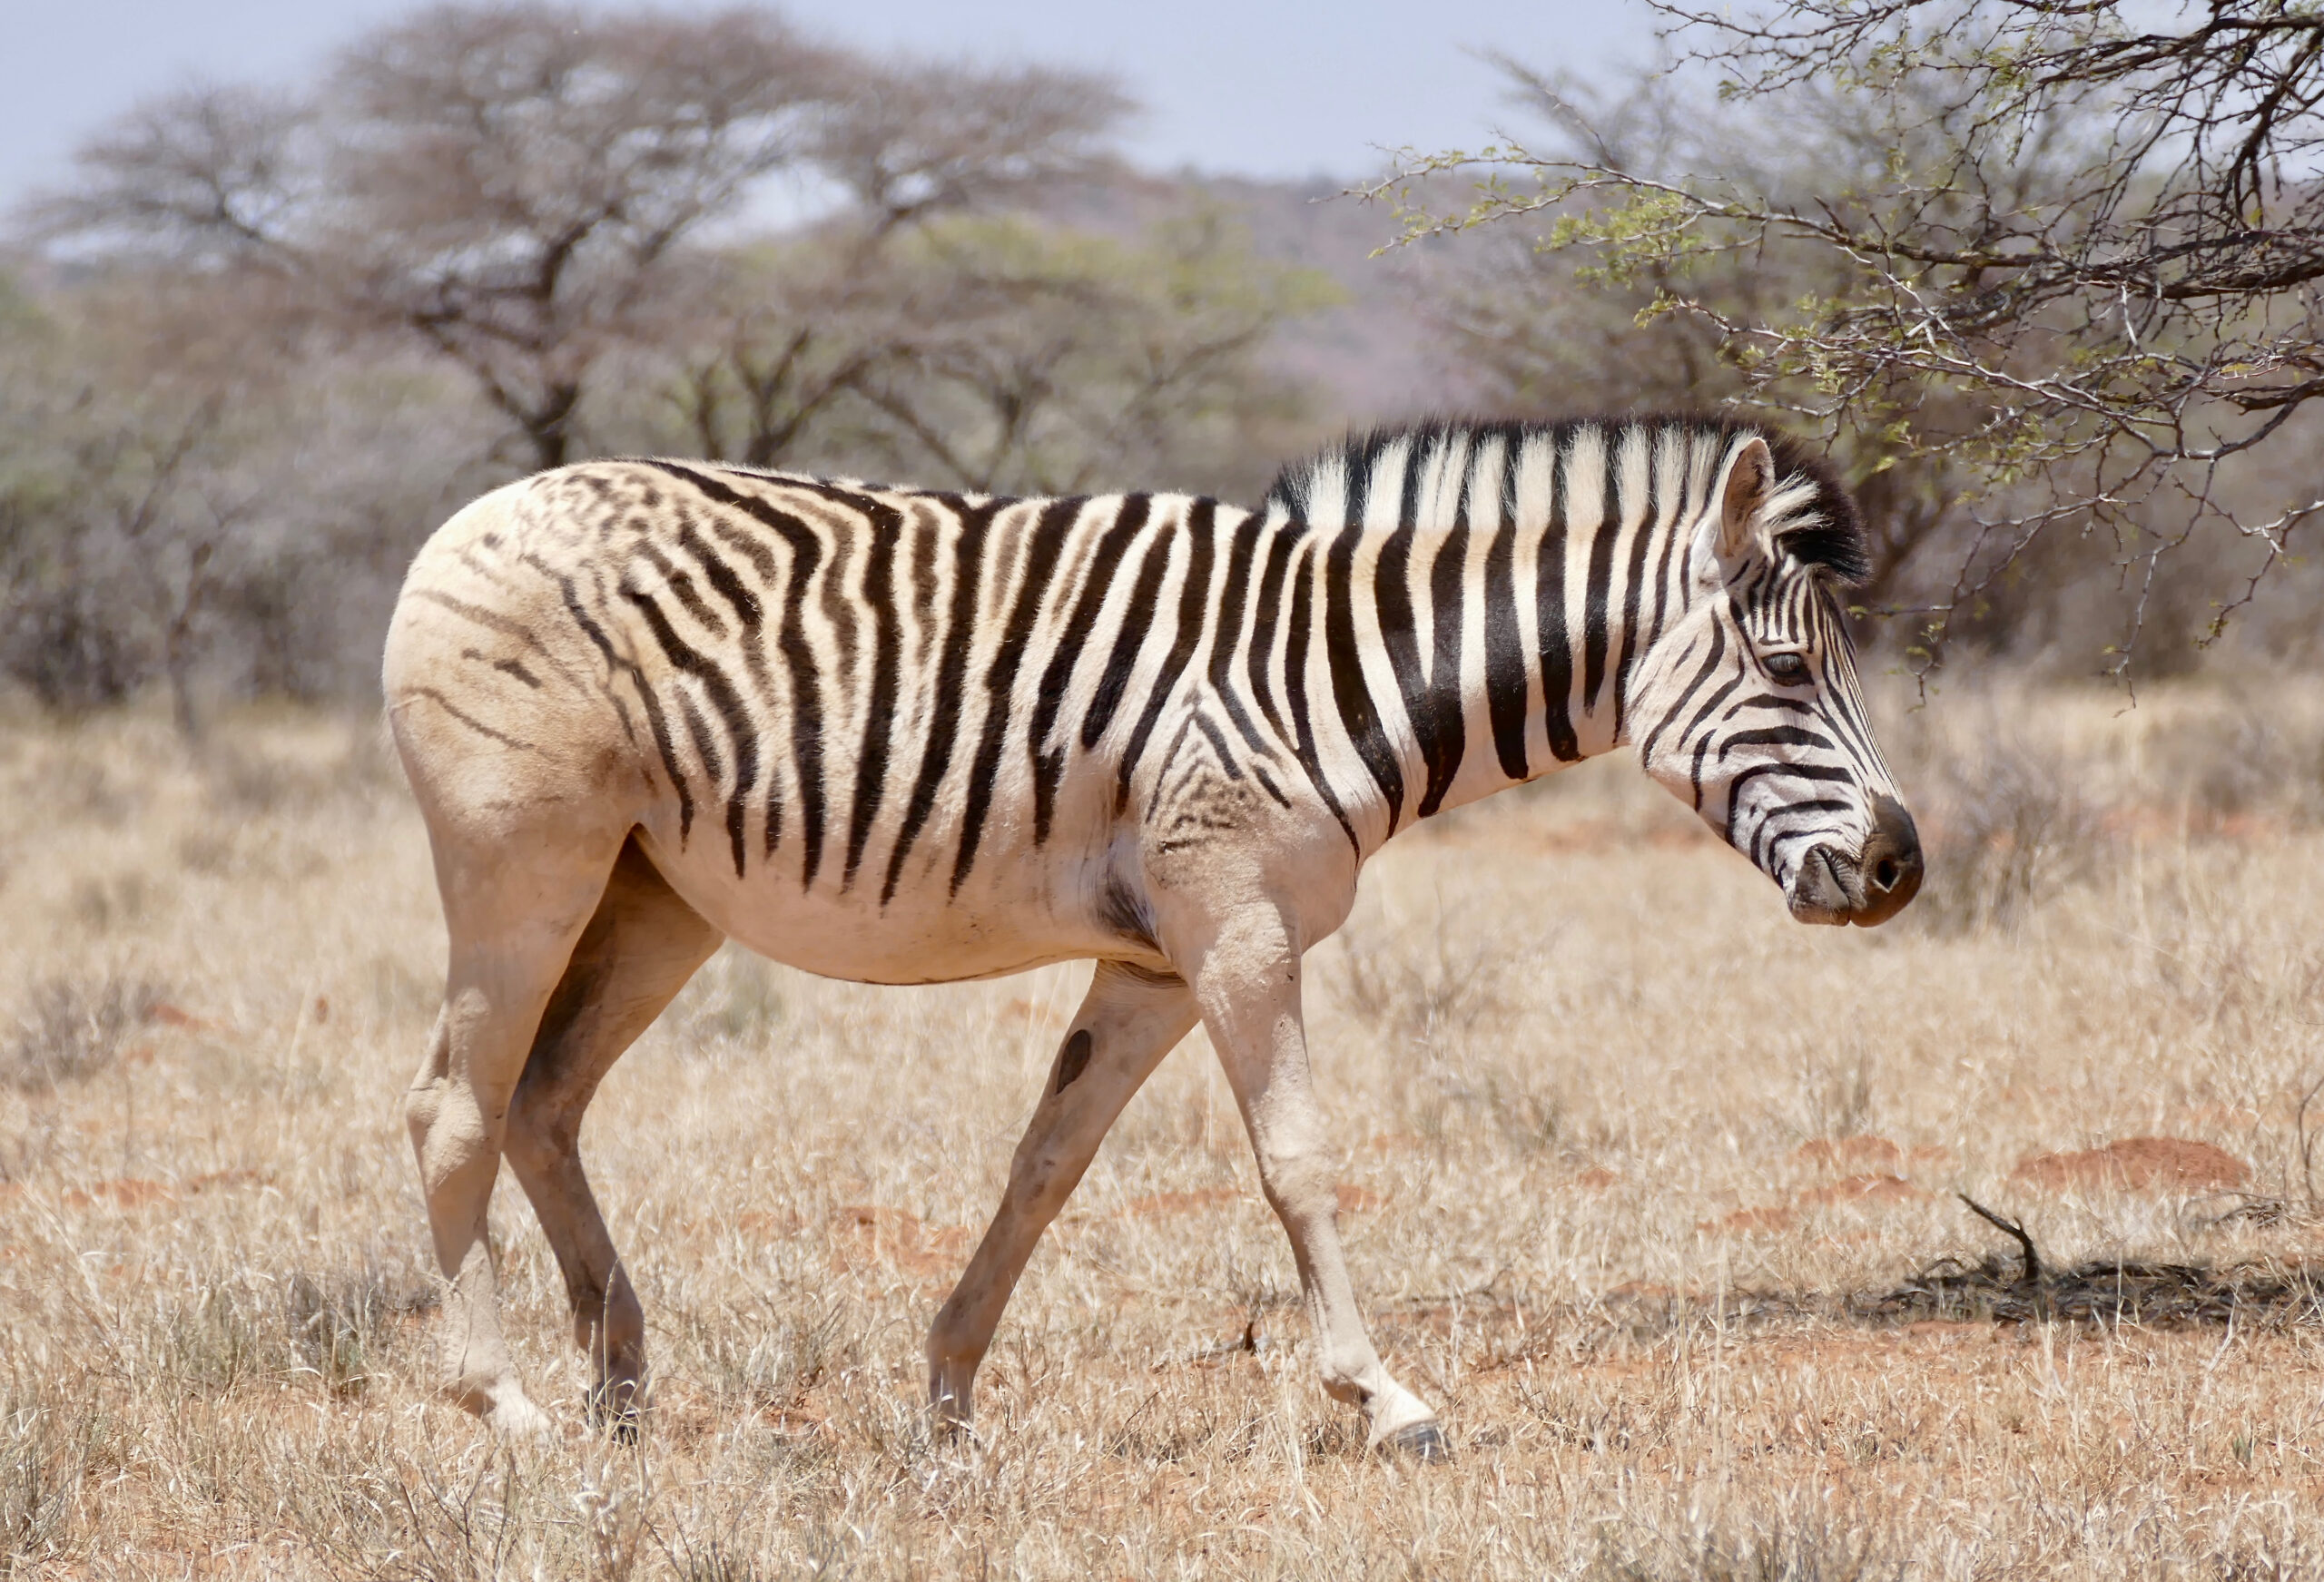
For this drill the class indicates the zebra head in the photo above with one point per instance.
(1748, 706)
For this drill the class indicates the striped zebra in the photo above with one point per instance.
(900, 736)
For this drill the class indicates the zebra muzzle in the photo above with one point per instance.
(1868, 889)
(1888, 874)
(1819, 893)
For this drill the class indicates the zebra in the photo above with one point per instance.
(901, 736)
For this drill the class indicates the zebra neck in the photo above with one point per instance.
(1496, 655)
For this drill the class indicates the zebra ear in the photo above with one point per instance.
(1744, 485)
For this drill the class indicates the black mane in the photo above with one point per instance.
(1826, 533)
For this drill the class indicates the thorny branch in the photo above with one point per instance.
(2079, 258)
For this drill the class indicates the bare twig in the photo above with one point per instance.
(2033, 1274)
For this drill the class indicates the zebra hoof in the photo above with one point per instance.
(615, 1413)
(1420, 1441)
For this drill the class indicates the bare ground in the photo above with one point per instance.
(1650, 1189)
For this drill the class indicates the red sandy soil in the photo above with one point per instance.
(2136, 1163)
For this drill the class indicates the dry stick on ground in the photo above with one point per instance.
(2032, 1275)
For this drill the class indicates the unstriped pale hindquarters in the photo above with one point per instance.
(901, 736)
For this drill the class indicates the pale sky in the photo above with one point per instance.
(1246, 87)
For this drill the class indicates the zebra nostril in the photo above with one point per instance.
(1885, 873)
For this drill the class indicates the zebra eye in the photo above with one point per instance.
(1788, 670)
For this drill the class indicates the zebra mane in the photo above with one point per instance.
(1811, 515)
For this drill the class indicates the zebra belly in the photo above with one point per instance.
(1026, 912)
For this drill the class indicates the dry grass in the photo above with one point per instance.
(1630, 1162)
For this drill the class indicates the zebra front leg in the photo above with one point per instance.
(1247, 981)
(1127, 1022)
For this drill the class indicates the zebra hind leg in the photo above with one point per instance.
(1246, 979)
(641, 946)
(514, 907)
(1127, 1022)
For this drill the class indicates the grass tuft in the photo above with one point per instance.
(73, 1028)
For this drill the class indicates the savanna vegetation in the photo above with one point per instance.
(1988, 1245)
(1650, 1188)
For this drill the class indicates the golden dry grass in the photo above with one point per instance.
(1613, 1188)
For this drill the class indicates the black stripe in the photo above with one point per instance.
(1218, 745)
(1780, 825)
(1549, 600)
(928, 537)
(1193, 605)
(1726, 689)
(1408, 490)
(1162, 782)
(1399, 634)
(1847, 702)
(681, 583)
(1358, 717)
(885, 526)
(1595, 618)
(838, 608)
(706, 746)
(951, 680)
(1807, 809)
(1446, 737)
(1259, 771)
(806, 694)
(1045, 543)
(1232, 596)
(799, 665)
(1294, 680)
(1285, 540)
(655, 724)
(660, 729)
(1357, 490)
(1505, 653)
(1710, 662)
(725, 699)
(1129, 638)
(752, 616)
(1049, 766)
(1777, 736)
(1812, 772)
(1672, 526)
(739, 595)
(1634, 589)
(471, 722)
(500, 622)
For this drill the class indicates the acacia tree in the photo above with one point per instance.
(780, 333)
(513, 186)
(1055, 362)
(1002, 353)
(2085, 270)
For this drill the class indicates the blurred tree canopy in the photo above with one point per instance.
(992, 352)
(2045, 272)
(264, 340)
